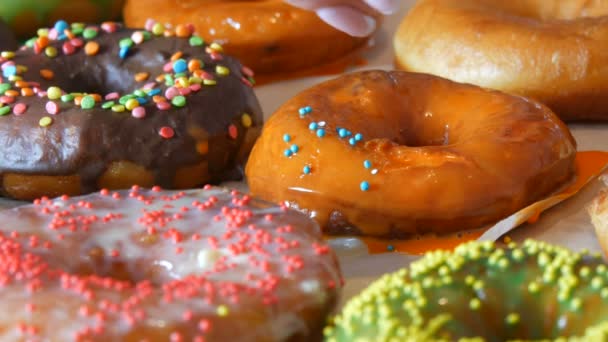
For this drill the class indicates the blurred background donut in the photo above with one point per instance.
(26, 16)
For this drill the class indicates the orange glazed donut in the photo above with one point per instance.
(152, 265)
(267, 35)
(551, 50)
(394, 153)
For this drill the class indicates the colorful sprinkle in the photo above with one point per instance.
(19, 108)
(53, 93)
(233, 132)
(138, 112)
(305, 110)
(87, 102)
(320, 132)
(45, 121)
(4, 110)
(222, 70)
(180, 65)
(364, 186)
(52, 107)
(286, 137)
(367, 164)
(166, 132)
(306, 170)
(89, 33)
(196, 41)
(179, 101)
(246, 120)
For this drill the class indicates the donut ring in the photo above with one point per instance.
(528, 292)
(395, 153)
(269, 36)
(199, 265)
(553, 51)
(108, 107)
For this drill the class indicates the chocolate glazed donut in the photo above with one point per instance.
(7, 38)
(175, 112)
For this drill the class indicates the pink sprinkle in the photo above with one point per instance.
(19, 108)
(163, 105)
(206, 76)
(171, 92)
(149, 24)
(7, 99)
(77, 42)
(41, 93)
(8, 63)
(216, 56)
(53, 34)
(52, 107)
(184, 91)
(139, 112)
(149, 85)
(195, 87)
(109, 27)
(68, 48)
(112, 96)
(137, 37)
(246, 82)
(168, 67)
(247, 71)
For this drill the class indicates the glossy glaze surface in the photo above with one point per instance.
(200, 265)
(269, 36)
(436, 156)
(552, 50)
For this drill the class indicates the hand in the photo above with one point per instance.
(355, 17)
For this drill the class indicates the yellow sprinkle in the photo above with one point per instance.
(50, 51)
(222, 70)
(507, 239)
(196, 80)
(246, 120)
(209, 82)
(216, 47)
(222, 311)
(7, 54)
(132, 103)
(14, 78)
(45, 121)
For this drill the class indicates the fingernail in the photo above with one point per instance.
(348, 20)
(370, 26)
(385, 7)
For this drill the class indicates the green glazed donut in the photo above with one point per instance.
(479, 292)
(26, 16)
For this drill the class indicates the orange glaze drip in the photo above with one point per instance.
(588, 164)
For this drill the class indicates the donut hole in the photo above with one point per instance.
(96, 79)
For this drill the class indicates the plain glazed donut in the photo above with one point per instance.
(269, 36)
(528, 292)
(550, 50)
(108, 107)
(152, 265)
(598, 210)
(395, 153)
